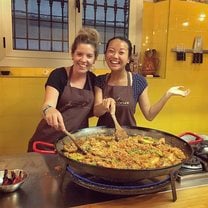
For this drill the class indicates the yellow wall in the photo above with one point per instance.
(193, 112)
(154, 31)
(190, 113)
(20, 104)
(21, 95)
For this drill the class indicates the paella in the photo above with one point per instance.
(135, 152)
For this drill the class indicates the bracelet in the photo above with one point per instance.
(45, 109)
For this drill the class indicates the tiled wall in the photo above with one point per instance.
(21, 99)
(154, 31)
(194, 115)
(190, 113)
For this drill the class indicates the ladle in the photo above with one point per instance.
(73, 139)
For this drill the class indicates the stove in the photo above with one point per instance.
(140, 187)
(197, 165)
(195, 168)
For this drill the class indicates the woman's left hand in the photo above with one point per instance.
(178, 90)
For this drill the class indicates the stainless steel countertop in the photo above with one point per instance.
(48, 185)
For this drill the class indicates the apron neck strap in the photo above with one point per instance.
(129, 78)
(69, 73)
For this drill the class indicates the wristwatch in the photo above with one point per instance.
(45, 109)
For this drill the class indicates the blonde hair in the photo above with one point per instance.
(87, 36)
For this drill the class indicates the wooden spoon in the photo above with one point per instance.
(120, 133)
(73, 139)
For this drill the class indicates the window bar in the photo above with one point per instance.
(95, 12)
(67, 12)
(105, 21)
(26, 8)
(38, 2)
(125, 15)
(115, 14)
(84, 11)
(51, 25)
(14, 24)
(62, 25)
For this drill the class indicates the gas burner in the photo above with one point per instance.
(192, 163)
(198, 163)
(191, 166)
(201, 148)
(145, 186)
(201, 152)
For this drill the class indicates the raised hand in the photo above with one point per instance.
(178, 90)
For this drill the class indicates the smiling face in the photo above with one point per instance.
(117, 54)
(83, 57)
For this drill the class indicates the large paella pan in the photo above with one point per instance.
(124, 174)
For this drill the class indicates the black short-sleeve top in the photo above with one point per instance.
(58, 79)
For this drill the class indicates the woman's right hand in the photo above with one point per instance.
(102, 105)
(109, 105)
(54, 119)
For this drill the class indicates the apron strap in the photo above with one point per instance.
(105, 84)
(107, 78)
(69, 73)
(129, 78)
(89, 82)
(129, 81)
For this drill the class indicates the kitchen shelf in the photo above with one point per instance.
(187, 50)
(21, 76)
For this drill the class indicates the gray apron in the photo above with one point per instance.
(125, 104)
(75, 106)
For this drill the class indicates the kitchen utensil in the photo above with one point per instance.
(11, 180)
(197, 50)
(73, 139)
(180, 52)
(121, 175)
(125, 175)
(197, 45)
(120, 133)
(51, 147)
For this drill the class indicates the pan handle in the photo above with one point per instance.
(191, 138)
(46, 144)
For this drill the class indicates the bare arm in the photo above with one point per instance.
(151, 111)
(52, 116)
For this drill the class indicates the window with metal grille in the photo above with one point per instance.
(40, 25)
(109, 17)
